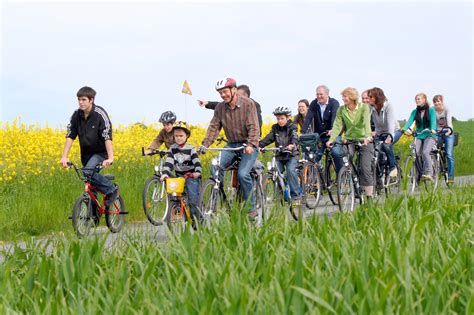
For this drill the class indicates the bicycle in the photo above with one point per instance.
(348, 183)
(213, 198)
(154, 192)
(87, 209)
(275, 185)
(414, 165)
(178, 213)
(383, 182)
(328, 173)
(441, 150)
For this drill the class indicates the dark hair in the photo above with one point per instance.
(87, 92)
(304, 101)
(438, 98)
(378, 95)
(245, 88)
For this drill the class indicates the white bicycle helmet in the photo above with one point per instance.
(225, 83)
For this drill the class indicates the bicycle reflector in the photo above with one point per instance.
(157, 169)
(214, 162)
(175, 185)
(269, 165)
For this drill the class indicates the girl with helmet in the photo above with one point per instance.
(165, 136)
(183, 159)
(285, 134)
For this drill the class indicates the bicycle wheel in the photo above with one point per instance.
(210, 200)
(154, 200)
(392, 185)
(443, 170)
(311, 186)
(259, 199)
(345, 190)
(175, 218)
(411, 173)
(436, 172)
(273, 193)
(81, 220)
(113, 217)
(330, 177)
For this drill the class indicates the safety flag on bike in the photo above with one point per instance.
(186, 89)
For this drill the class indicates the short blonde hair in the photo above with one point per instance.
(351, 93)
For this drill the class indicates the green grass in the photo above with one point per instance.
(412, 256)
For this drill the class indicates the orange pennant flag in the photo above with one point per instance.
(186, 89)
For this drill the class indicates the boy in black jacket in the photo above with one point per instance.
(285, 134)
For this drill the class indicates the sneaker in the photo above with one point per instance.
(253, 214)
(427, 177)
(296, 201)
(110, 198)
(450, 181)
(393, 172)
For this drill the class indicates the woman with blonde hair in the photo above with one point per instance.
(443, 120)
(424, 117)
(354, 119)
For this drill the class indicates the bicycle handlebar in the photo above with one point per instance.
(278, 149)
(154, 152)
(443, 130)
(227, 149)
(385, 135)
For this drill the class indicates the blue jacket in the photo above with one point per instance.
(313, 118)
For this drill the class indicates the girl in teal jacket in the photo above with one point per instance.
(424, 117)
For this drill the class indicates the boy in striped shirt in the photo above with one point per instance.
(183, 159)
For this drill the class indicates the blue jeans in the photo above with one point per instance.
(245, 166)
(100, 183)
(388, 150)
(337, 153)
(192, 191)
(291, 175)
(449, 146)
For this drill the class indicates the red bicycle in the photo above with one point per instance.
(88, 209)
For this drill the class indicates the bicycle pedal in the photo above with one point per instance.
(70, 217)
(123, 212)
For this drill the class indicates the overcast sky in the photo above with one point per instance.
(137, 55)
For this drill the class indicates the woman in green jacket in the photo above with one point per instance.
(354, 119)
(424, 117)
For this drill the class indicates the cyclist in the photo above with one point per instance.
(354, 118)
(424, 117)
(165, 136)
(285, 134)
(384, 121)
(303, 107)
(237, 114)
(242, 90)
(321, 115)
(444, 119)
(183, 159)
(92, 124)
(365, 97)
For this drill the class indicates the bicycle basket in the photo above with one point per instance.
(456, 138)
(175, 185)
(309, 142)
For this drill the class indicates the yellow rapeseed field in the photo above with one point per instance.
(31, 150)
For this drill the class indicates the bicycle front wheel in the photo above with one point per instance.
(81, 219)
(175, 218)
(345, 190)
(392, 185)
(311, 186)
(210, 200)
(273, 193)
(259, 199)
(411, 173)
(115, 217)
(330, 177)
(154, 200)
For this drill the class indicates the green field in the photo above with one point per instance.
(413, 256)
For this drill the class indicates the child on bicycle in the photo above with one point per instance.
(183, 159)
(285, 134)
(166, 135)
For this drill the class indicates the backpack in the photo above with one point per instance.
(309, 142)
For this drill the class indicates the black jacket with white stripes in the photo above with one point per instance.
(92, 132)
(182, 159)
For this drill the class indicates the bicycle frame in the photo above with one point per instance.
(274, 170)
(353, 167)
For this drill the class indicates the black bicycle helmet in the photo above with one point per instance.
(168, 117)
(282, 110)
